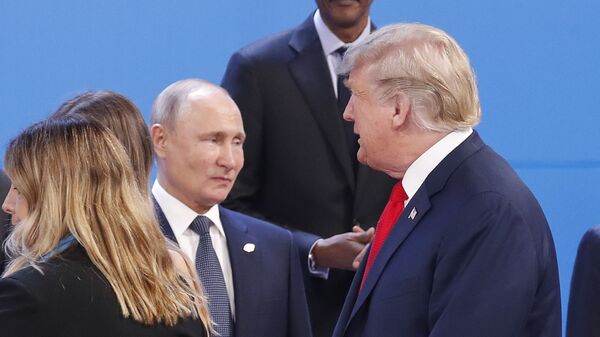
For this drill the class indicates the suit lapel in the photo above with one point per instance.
(165, 227)
(414, 212)
(245, 267)
(349, 309)
(403, 227)
(311, 73)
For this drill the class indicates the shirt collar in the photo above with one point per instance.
(418, 171)
(179, 215)
(329, 41)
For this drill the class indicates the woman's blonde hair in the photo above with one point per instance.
(117, 113)
(78, 180)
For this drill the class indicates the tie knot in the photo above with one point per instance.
(341, 51)
(200, 225)
(398, 193)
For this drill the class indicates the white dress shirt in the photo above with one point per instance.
(330, 43)
(180, 217)
(418, 171)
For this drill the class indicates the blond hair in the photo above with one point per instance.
(428, 66)
(78, 180)
(117, 113)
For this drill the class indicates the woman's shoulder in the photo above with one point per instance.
(69, 269)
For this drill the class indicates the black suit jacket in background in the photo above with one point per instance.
(583, 318)
(4, 218)
(297, 170)
(72, 299)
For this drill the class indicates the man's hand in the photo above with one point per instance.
(343, 251)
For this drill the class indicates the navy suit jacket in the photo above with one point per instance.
(268, 287)
(583, 318)
(297, 170)
(476, 258)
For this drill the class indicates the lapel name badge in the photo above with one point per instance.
(249, 247)
(412, 214)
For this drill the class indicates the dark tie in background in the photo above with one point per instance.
(342, 101)
(212, 278)
(390, 215)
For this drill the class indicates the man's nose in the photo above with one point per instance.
(348, 114)
(226, 156)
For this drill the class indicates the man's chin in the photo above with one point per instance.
(220, 194)
(362, 158)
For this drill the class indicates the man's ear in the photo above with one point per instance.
(402, 109)
(159, 140)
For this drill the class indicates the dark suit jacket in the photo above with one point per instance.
(268, 287)
(72, 299)
(4, 218)
(583, 318)
(475, 259)
(297, 171)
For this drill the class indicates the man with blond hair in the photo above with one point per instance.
(462, 247)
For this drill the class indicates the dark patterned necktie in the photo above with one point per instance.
(342, 101)
(212, 278)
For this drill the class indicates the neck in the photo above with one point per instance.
(348, 34)
(413, 146)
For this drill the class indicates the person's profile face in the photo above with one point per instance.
(16, 205)
(204, 151)
(372, 121)
(344, 13)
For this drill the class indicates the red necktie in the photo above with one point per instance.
(386, 222)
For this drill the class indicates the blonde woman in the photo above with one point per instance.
(87, 257)
(117, 113)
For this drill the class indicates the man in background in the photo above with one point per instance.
(462, 247)
(301, 169)
(249, 268)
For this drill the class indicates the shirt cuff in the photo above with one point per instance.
(313, 269)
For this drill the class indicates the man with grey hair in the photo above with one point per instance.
(249, 269)
(462, 248)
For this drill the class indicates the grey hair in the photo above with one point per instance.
(425, 64)
(173, 100)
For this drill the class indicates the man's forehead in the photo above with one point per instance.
(357, 81)
(218, 113)
(201, 93)
(213, 97)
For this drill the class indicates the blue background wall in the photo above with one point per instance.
(537, 64)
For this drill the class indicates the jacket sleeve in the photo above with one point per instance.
(19, 310)
(494, 270)
(298, 317)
